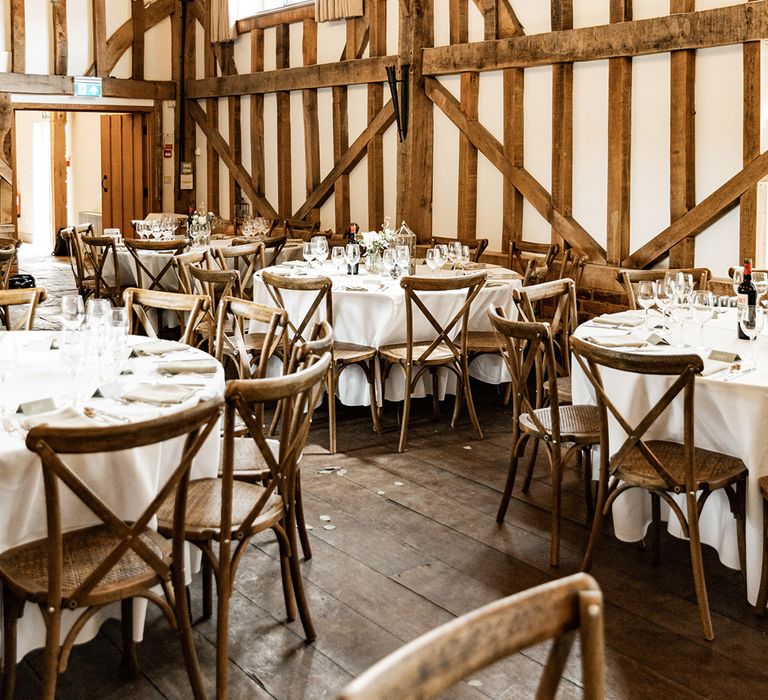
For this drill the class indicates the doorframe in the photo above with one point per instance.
(151, 140)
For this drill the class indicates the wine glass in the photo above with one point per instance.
(454, 254)
(308, 253)
(737, 279)
(751, 321)
(465, 256)
(665, 297)
(703, 307)
(8, 358)
(389, 261)
(320, 248)
(337, 257)
(760, 280)
(646, 298)
(433, 259)
(403, 257)
(352, 256)
(72, 311)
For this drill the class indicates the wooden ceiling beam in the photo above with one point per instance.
(722, 26)
(273, 19)
(64, 85)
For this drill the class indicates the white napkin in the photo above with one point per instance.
(158, 394)
(618, 341)
(192, 367)
(714, 366)
(630, 319)
(67, 417)
(159, 347)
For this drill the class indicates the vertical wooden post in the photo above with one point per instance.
(100, 38)
(59, 169)
(183, 65)
(341, 136)
(415, 154)
(212, 163)
(257, 115)
(619, 144)
(682, 141)
(562, 120)
(752, 242)
(156, 145)
(137, 52)
(284, 183)
(377, 12)
(7, 173)
(311, 124)
(59, 13)
(18, 37)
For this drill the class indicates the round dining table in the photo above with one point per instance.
(158, 377)
(731, 404)
(370, 309)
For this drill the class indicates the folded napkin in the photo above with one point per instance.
(630, 319)
(497, 283)
(158, 394)
(618, 341)
(159, 347)
(61, 418)
(714, 366)
(191, 367)
(295, 263)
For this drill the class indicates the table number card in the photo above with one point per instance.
(32, 408)
(723, 356)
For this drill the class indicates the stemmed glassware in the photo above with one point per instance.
(646, 298)
(338, 259)
(72, 311)
(403, 257)
(308, 253)
(703, 308)
(737, 279)
(352, 255)
(751, 321)
(433, 259)
(760, 280)
(319, 245)
(389, 261)
(665, 298)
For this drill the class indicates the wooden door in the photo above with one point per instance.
(7, 198)
(122, 171)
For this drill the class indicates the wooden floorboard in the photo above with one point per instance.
(416, 543)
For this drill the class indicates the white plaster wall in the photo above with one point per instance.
(85, 163)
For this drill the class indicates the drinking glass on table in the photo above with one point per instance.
(433, 259)
(352, 255)
(337, 257)
(703, 307)
(466, 258)
(74, 353)
(72, 312)
(737, 279)
(760, 280)
(751, 321)
(454, 253)
(308, 253)
(646, 298)
(403, 256)
(320, 248)
(665, 297)
(8, 358)
(388, 261)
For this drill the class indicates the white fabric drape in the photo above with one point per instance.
(222, 29)
(327, 10)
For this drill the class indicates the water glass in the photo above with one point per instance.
(466, 258)
(433, 259)
(737, 279)
(308, 253)
(98, 313)
(646, 297)
(72, 311)
(352, 255)
(403, 257)
(751, 321)
(337, 257)
(703, 307)
(760, 280)
(319, 245)
(389, 262)
(665, 298)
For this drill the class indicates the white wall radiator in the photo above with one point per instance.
(93, 218)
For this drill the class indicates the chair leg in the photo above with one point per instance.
(184, 627)
(471, 403)
(457, 402)
(371, 372)
(12, 608)
(129, 665)
(741, 526)
(656, 524)
(585, 460)
(597, 522)
(207, 574)
(298, 585)
(51, 657)
(697, 563)
(531, 466)
(285, 573)
(331, 384)
(435, 395)
(517, 445)
(301, 522)
(557, 493)
(762, 594)
(406, 410)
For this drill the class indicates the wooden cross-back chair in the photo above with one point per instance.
(12, 298)
(215, 284)
(662, 467)
(154, 281)
(100, 253)
(532, 260)
(225, 513)
(189, 308)
(439, 349)
(300, 329)
(85, 282)
(8, 252)
(429, 665)
(245, 259)
(476, 245)
(571, 265)
(273, 246)
(181, 263)
(116, 559)
(629, 279)
(527, 346)
(298, 228)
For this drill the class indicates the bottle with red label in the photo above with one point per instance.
(350, 236)
(746, 297)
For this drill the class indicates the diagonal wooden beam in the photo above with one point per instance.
(6, 173)
(122, 38)
(722, 26)
(349, 159)
(238, 171)
(532, 190)
(702, 215)
(506, 20)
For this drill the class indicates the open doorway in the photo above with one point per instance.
(80, 167)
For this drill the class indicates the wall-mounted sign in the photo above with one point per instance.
(167, 150)
(88, 87)
(186, 181)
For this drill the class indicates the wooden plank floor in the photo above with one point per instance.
(416, 543)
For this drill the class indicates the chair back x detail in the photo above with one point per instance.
(154, 280)
(189, 308)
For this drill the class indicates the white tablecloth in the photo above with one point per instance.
(730, 418)
(126, 480)
(376, 317)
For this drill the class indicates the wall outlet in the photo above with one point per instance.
(167, 180)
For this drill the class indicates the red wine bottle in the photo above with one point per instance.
(350, 236)
(747, 296)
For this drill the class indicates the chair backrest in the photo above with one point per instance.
(10, 298)
(432, 663)
(529, 355)
(7, 260)
(182, 261)
(592, 359)
(560, 296)
(215, 284)
(300, 328)
(629, 279)
(154, 280)
(98, 250)
(440, 333)
(273, 246)
(296, 396)
(238, 313)
(298, 228)
(476, 245)
(532, 260)
(571, 264)
(730, 270)
(76, 259)
(190, 308)
(245, 259)
(54, 445)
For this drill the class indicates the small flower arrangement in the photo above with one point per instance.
(198, 220)
(378, 241)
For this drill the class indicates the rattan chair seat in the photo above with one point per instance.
(350, 353)
(204, 508)
(564, 391)
(248, 462)
(580, 423)
(399, 353)
(26, 566)
(482, 341)
(713, 469)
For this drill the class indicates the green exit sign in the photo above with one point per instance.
(87, 87)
